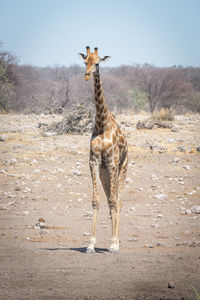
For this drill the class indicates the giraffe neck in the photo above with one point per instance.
(102, 112)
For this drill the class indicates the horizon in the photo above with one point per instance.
(45, 34)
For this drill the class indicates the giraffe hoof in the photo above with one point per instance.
(90, 251)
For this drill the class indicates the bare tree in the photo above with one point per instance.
(164, 87)
(8, 77)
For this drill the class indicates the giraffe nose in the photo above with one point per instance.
(87, 74)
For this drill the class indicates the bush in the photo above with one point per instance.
(164, 114)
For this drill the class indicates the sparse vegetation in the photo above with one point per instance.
(57, 89)
(197, 296)
(164, 114)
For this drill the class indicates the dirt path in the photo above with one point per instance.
(49, 177)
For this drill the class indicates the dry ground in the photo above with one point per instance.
(49, 177)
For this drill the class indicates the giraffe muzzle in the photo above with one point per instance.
(87, 75)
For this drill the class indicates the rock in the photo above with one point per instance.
(77, 172)
(195, 209)
(40, 223)
(154, 225)
(160, 244)
(187, 167)
(2, 138)
(34, 161)
(191, 193)
(133, 239)
(175, 129)
(88, 214)
(154, 177)
(36, 227)
(132, 209)
(171, 285)
(198, 149)
(159, 216)
(86, 234)
(161, 196)
(188, 212)
(148, 246)
(26, 213)
(163, 149)
(47, 134)
(170, 141)
(175, 160)
(128, 180)
(182, 148)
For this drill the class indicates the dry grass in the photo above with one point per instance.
(164, 114)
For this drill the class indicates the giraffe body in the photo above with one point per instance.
(108, 155)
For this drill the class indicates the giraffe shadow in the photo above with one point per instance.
(78, 249)
(84, 250)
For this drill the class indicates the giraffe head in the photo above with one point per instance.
(92, 60)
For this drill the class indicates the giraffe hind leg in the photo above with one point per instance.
(105, 180)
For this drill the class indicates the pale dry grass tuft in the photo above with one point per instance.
(164, 114)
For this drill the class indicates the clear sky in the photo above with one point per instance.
(48, 32)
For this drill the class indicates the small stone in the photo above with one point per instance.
(47, 134)
(36, 227)
(161, 196)
(2, 138)
(132, 209)
(128, 180)
(159, 216)
(182, 148)
(154, 225)
(191, 193)
(160, 244)
(187, 167)
(34, 161)
(170, 141)
(154, 177)
(171, 285)
(26, 213)
(148, 246)
(198, 149)
(77, 172)
(133, 239)
(175, 160)
(188, 212)
(195, 209)
(175, 129)
(88, 214)
(86, 233)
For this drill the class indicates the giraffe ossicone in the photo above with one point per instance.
(108, 153)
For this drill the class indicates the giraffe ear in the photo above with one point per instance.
(104, 58)
(83, 56)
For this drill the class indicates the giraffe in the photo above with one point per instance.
(108, 154)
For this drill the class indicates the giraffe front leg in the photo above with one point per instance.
(114, 210)
(95, 205)
(114, 246)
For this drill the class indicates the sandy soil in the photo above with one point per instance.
(49, 177)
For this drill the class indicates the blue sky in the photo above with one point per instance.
(48, 32)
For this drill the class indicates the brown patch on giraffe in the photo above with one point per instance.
(114, 138)
(96, 148)
(99, 93)
(106, 145)
(98, 116)
(107, 134)
(121, 139)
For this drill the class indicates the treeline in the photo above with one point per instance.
(30, 89)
